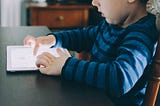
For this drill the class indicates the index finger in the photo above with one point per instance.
(29, 40)
(36, 47)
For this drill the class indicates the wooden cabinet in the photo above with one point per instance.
(59, 16)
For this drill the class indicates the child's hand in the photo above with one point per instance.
(51, 65)
(37, 42)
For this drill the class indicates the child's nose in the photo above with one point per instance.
(95, 3)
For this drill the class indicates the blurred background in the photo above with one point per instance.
(20, 13)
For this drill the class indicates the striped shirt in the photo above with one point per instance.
(119, 57)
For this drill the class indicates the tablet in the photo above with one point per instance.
(21, 58)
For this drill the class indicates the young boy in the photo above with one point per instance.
(121, 48)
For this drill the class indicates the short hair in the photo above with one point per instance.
(144, 1)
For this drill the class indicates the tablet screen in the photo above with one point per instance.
(21, 58)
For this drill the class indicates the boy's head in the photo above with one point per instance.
(121, 12)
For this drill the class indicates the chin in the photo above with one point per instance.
(110, 21)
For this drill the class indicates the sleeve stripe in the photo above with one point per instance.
(70, 39)
(84, 72)
(76, 36)
(95, 75)
(74, 70)
(99, 49)
(140, 40)
(62, 38)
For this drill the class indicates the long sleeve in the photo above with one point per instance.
(117, 76)
(78, 39)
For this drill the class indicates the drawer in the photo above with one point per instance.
(60, 18)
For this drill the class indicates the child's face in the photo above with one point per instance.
(115, 11)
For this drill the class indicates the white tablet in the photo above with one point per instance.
(20, 58)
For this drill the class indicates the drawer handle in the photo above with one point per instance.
(60, 18)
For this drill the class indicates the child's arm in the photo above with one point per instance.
(117, 76)
(78, 39)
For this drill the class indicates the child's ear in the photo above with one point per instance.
(131, 1)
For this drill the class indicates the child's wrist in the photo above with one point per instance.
(52, 39)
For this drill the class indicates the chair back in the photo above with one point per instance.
(154, 78)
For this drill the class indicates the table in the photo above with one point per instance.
(35, 89)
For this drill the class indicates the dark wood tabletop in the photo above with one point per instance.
(35, 89)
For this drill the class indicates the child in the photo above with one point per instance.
(121, 48)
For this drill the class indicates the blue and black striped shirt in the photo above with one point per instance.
(119, 57)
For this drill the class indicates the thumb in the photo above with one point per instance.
(60, 52)
(43, 70)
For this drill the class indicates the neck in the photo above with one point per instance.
(134, 16)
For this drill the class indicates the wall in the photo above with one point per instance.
(23, 13)
(0, 12)
(14, 15)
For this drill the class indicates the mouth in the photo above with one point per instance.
(102, 14)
